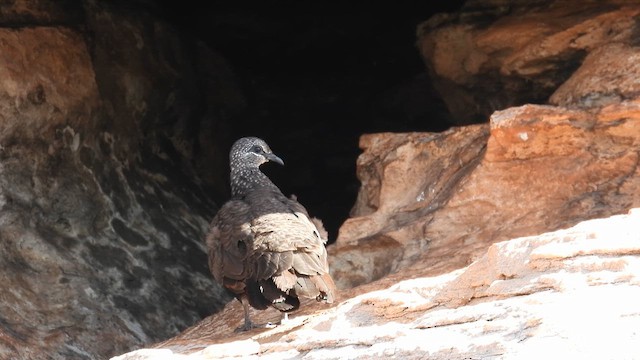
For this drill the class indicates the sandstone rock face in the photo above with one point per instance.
(426, 265)
(543, 168)
(570, 293)
(158, 87)
(492, 56)
(608, 75)
(35, 81)
(405, 177)
(101, 212)
(106, 116)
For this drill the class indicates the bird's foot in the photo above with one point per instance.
(251, 326)
(247, 326)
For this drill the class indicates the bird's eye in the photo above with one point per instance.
(257, 149)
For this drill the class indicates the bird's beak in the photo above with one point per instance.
(274, 158)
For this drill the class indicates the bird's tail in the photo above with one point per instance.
(327, 288)
(255, 296)
(266, 293)
(319, 287)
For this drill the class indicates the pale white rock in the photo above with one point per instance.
(571, 293)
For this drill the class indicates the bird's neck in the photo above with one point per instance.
(245, 180)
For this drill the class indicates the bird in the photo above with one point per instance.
(262, 246)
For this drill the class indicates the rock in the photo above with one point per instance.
(35, 82)
(532, 296)
(404, 177)
(543, 168)
(403, 259)
(158, 86)
(607, 76)
(114, 126)
(493, 55)
(19, 13)
(102, 213)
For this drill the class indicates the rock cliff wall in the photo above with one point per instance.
(101, 209)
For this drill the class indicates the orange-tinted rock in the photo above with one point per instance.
(608, 75)
(34, 74)
(101, 214)
(419, 163)
(405, 177)
(544, 168)
(490, 56)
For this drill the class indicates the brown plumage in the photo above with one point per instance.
(263, 247)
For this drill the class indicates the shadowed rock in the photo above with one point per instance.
(262, 245)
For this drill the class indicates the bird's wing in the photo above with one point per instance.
(229, 241)
(285, 237)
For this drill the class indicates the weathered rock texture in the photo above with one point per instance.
(543, 168)
(108, 118)
(431, 204)
(101, 210)
(570, 294)
(493, 55)
(608, 75)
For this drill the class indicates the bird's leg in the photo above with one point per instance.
(248, 324)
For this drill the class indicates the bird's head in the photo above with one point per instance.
(252, 151)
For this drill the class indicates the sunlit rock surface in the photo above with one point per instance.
(570, 293)
(450, 195)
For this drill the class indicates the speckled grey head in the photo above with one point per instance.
(245, 158)
(251, 152)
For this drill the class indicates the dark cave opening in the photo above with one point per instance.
(316, 76)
